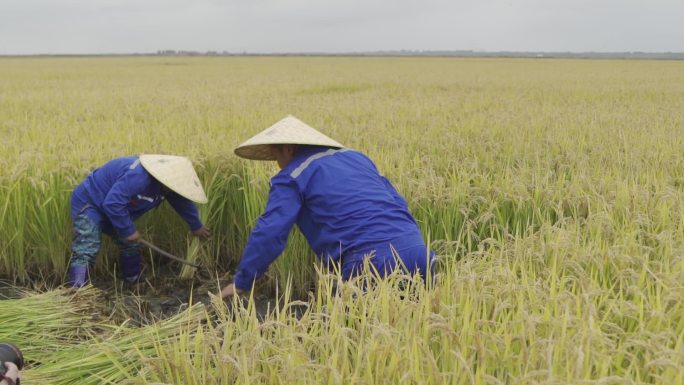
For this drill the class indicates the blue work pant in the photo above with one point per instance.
(384, 258)
(87, 242)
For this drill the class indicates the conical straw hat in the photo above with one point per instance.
(176, 173)
(287, 131)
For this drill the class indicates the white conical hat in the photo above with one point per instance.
(176, 173)
(287, 131)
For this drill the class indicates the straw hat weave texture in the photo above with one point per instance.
(289, 130)
(176, 173)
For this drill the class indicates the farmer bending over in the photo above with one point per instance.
(113, 196)
(346, 210)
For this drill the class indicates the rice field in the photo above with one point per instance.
(552, 191)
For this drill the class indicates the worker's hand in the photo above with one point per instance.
(12, 372)
(230, 291)
(135, 237)
(202, 232)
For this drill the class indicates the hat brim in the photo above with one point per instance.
(263, 151)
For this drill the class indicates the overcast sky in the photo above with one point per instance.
(264, 26)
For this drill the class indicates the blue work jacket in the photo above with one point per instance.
(340, 203)
(116, 194)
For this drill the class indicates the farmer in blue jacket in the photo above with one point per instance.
(346, 210)
(113, 196)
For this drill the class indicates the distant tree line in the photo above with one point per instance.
(457, 53)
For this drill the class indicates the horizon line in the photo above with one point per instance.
(400, 52)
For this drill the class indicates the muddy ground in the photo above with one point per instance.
(156, 297)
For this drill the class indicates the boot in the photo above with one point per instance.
(78, 276)
(130, 268)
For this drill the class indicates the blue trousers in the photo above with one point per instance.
(88, 240)
(385, 259)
